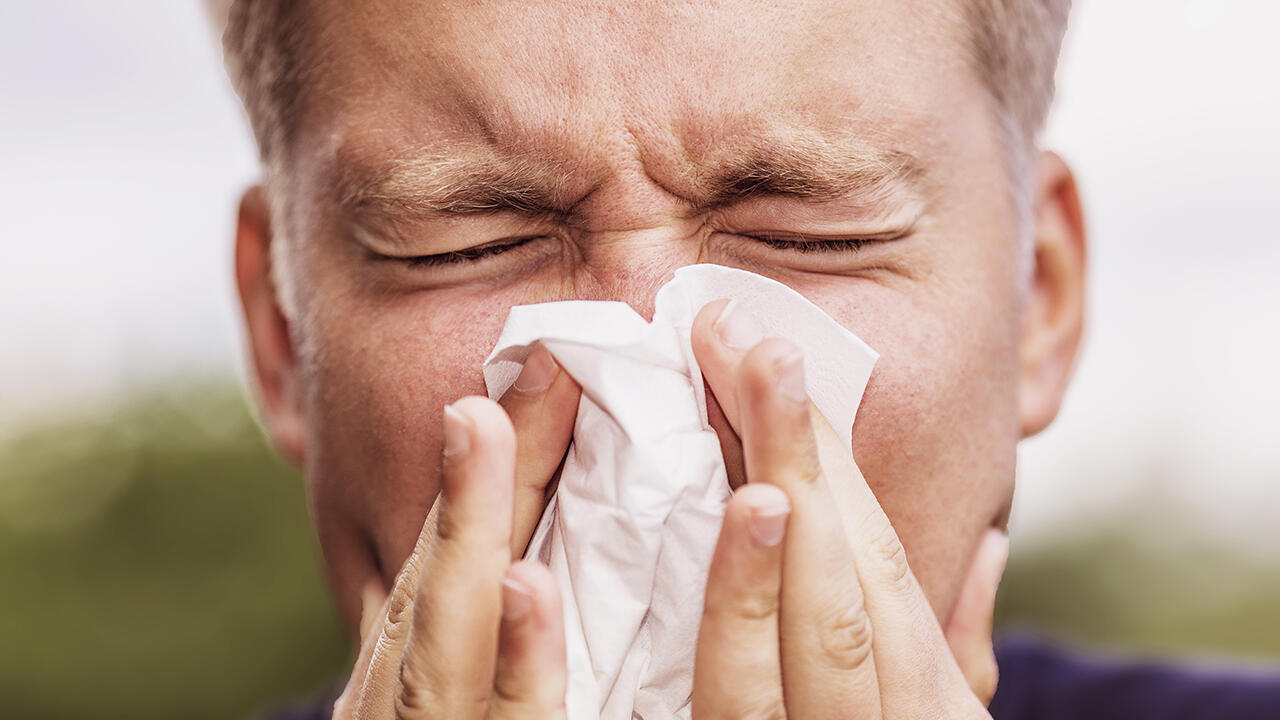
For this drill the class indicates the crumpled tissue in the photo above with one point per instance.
(630, 530)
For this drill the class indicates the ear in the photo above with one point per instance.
(1055, 310)
(273, 366)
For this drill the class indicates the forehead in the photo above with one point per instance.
(672, 87)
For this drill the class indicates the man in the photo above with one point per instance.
(432, 164)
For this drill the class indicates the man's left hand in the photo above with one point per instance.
(811, 609)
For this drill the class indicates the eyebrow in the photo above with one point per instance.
(479, 182)
(455, 184)
(819, 171)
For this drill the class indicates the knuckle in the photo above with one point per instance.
(463, 538)
(399, 612)
(420, 698)
(458, 566)
(753, 607)
(763, 702)
(385, 649)
(448, 529)
(845, 637)
(421, 694)
(515, 700)
(415, 702)
(805, 470)
(508, 694)
(891, 556)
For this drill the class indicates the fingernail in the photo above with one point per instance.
(457, 431)
(791, 378)
(517, 599)
(768, 524)
(737, 328)
(538, 373)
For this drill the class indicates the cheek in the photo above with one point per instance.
(376, 393)
(937, 430)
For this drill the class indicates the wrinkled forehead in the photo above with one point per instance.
(676, 86)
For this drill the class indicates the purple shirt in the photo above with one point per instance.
(1041, 682)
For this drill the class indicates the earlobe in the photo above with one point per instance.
(273, 367)
(1054, 320)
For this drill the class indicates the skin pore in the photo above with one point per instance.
(454, 160)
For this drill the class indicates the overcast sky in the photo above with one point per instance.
(123, 153)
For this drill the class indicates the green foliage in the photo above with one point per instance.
(158, 563)
(1155, 584)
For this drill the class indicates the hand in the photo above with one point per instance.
(811, 610)
(464, 633)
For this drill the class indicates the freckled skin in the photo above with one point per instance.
(633, 98)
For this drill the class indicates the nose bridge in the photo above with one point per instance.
(632, 232)
(630, 266)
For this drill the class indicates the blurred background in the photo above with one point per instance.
(156, 558)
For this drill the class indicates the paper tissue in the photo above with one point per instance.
(631, 528)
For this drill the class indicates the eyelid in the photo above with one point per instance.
(472, 254)
(812, 244)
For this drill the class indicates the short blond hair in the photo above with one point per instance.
(1013, 46)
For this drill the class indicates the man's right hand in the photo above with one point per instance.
(465, 632)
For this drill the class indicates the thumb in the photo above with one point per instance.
(372, 598)
(968, 630)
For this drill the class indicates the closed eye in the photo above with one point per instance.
(465, 255)
(811, 246)
(807, 244)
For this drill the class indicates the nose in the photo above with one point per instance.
(631, 265)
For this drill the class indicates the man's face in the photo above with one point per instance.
(593, 148)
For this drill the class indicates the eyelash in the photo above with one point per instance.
(466, 255)
(806, 246)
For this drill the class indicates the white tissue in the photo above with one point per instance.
(630, 531)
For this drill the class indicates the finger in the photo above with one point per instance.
(828, 669)
(372, 599)
(730, 443)
(722, 333)
(374, 684)
(737, 670)
(968, 629)
(372, 610)
(531, 678)
(542, 405)
(448, 663)
(908, 641)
